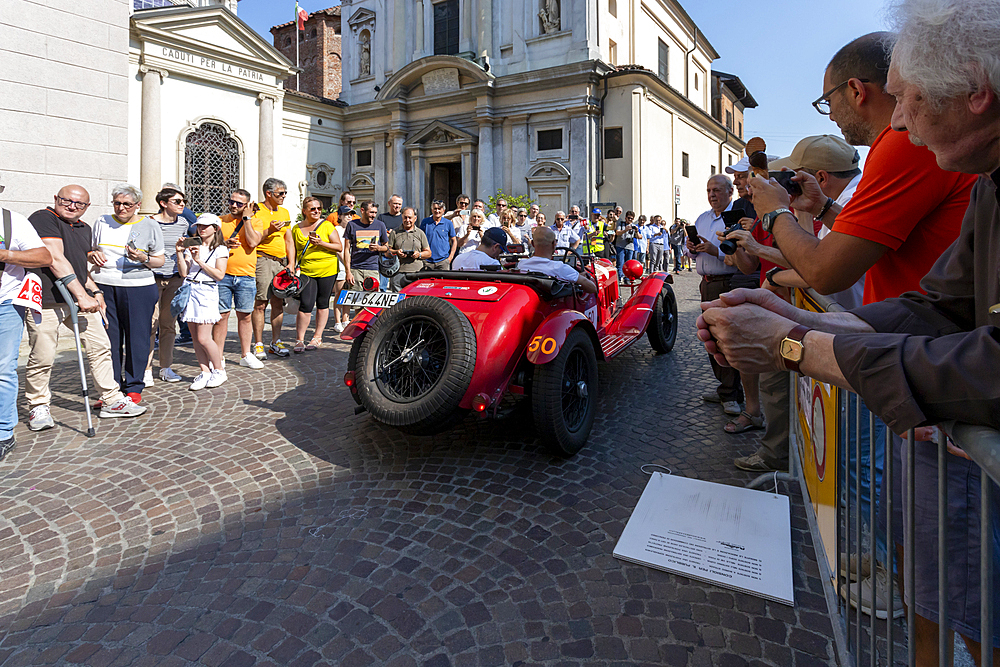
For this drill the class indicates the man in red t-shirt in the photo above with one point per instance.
(906, 210)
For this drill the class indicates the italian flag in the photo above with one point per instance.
(301, 15)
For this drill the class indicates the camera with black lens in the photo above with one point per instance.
(732, 222)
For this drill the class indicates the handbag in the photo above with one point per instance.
(183, 294)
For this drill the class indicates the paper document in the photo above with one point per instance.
(726, 535)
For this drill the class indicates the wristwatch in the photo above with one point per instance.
(767, 220)
(792, 348)
(770, 276)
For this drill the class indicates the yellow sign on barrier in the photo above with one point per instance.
(819, 430)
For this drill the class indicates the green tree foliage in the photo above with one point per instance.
(513, 201)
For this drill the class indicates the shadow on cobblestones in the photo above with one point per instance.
(265, 523)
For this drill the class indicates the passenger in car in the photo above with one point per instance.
(486, 255)
(545, 245)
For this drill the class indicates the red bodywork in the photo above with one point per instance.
(508, 317)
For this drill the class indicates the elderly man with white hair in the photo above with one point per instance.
(919, 359)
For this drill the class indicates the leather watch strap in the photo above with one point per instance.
(797, 333)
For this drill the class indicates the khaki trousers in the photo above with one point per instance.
(164, 322)
(44, 337)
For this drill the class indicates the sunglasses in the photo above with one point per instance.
(124, 204)
(237, 204)
(279, 194)
(177, 202)
(314, 208)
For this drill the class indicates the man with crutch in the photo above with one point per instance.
(68, 239)
(20, 248)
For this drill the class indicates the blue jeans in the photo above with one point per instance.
(622, 255)
(242, 289)
(11, 325)
(855, 451)
(678, 253)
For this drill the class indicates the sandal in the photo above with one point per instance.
(314, 344)
(299, 347)
(734, 426)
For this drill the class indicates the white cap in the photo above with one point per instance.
(744, 164)
(209, 219)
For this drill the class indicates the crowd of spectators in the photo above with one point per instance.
(908, 250)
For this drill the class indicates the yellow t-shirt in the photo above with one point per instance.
(242, 259)
(273, 245)
(316, 262)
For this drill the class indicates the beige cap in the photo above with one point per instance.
(825, 151)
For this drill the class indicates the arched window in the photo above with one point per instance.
(211, 168)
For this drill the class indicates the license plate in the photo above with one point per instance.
(369, 299)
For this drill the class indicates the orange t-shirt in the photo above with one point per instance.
(242, 259)
(907, 202)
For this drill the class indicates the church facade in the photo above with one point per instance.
(568, 101)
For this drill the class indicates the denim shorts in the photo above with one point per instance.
(243, 288)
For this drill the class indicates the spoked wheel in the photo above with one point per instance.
(415, 364)
(411, 358)
(662, 329)
(564, 396)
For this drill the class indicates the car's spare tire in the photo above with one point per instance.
(415, 364)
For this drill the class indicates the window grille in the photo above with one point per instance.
(211, 168)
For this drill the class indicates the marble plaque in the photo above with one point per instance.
(443, 80)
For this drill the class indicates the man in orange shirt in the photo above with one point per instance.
(239, 287)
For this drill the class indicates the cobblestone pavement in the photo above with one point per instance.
(263, 523)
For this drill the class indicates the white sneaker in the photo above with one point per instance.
(731, 407)
(40, 418)
(250, 361)
(201, 381)
(339, 327)
(123, 408)
(216, 378)
(168, 375)
(147, 378)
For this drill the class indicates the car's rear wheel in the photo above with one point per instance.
(564, 395)
(662, 329)
(415, 364)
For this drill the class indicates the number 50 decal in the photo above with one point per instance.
(547, 345)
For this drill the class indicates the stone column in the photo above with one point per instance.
(465, 12)
(579, 154)
(399, 164)
(151, 139)
(418, 30)
(265, 148)
(467, 180)
(417, 184)
(485, 184)
(519, 156)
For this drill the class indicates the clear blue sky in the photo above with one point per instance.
(778, 50)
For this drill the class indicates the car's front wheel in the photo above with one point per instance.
(415, 364)
(662, 329)
(564, 395)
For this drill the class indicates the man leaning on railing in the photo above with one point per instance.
(917, 359)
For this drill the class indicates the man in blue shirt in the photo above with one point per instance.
(440, 234)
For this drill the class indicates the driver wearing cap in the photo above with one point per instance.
(545, 245)
(486, 254)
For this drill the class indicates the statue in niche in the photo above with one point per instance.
(549, 16)
(365, 54)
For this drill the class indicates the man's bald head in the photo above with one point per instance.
(545, 241)
(71, 202)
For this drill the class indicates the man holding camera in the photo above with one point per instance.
(243, 231)
(410, 245)
(716, 278)
(273, 219)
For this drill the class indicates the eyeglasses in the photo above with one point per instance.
(279, 194)
(124, 204)
(70, 203)
(314, 208)
(522, 215)
(176, 202)
(822, 105)
(237, 204)
(501, 205)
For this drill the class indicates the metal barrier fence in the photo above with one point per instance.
(835, 506)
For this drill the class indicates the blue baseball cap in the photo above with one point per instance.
(498, 236)
(596, 211)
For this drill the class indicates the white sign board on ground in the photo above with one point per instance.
(726, 535)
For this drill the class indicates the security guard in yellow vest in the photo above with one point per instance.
(594, 237)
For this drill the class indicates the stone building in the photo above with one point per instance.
(318, 53)
(569, 101)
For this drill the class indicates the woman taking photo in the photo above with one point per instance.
(316, 266)
(127, 248)
(203, 266)
(172, 227)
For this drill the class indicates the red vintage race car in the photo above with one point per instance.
(459, 341)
